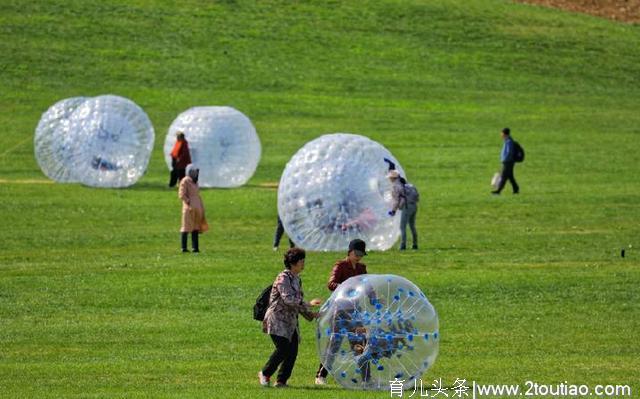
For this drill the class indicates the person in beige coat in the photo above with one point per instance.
(193, 219)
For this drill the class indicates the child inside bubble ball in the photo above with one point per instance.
(346, 319)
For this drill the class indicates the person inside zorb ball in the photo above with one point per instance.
(222, 141)
(375, 329)
(334, 189)
(102, 141)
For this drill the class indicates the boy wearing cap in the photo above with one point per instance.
(342, 270)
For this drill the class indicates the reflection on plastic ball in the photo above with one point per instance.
(375, 329)
(335, 189)
(104, 141)
(222, 141)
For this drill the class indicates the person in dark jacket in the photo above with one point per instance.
(180, 158)
(342, 270)
(281, 319)
(508, 162)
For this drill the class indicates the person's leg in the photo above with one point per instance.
(289, 361)
(364, 366)
(403, 229)
(194, 241)
(335, 341)
(184, 236)
(181, 173)
(278, 355)
(278, 234)
(504, 175)
(173, 178)
(322, 371)
(412, 226)
(514, 184)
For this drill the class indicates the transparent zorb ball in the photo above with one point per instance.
(49, 141)
(103, 141)
(335, 189)
(377, 330)
(222, 141)
(111, 142)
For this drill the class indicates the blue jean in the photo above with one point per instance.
(408, 215)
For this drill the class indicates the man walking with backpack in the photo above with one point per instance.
(511, 153)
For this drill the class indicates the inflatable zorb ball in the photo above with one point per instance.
(376, 330)
(105, 141)
(49, 141)
(223, 143)
(335, 189)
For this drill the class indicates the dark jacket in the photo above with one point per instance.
(342, 270)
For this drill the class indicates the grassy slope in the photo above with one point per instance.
(95, 301)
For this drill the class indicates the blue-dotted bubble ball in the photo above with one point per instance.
(376, 330)
(222, 141)
(335, 189)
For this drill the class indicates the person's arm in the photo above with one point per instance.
(335, 278)
(398, 195)
(507, 151)
(183, 192)
(175, 151)
(186, 154)
(289, 295)
(392, 166)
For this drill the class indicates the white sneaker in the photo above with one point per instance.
(321, 381)
(264, 381)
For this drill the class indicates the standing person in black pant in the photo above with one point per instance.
(342, 270)
(180, 158)
(508, 162)
(281, 319)
(278, 235)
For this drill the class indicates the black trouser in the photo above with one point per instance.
(286, 353)
(507, 174)
(341, 319)
(176, 176)
(278, 235)
(194, 241)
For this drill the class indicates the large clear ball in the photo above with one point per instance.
(222, 141)
(111, 143)
(103, 141)
(335, 189)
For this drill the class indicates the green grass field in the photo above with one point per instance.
(96, 300)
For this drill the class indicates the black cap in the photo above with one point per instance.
(359, 246)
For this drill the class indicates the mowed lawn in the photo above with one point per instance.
(97, 301)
